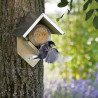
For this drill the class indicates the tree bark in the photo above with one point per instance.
(17, 78)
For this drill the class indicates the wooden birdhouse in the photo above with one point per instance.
(32, 34)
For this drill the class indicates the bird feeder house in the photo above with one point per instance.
(32, 34)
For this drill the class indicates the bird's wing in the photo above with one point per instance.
(43, 51)
(52, 55)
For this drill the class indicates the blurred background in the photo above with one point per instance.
(77, 75)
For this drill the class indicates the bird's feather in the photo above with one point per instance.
(43, 51)
(52, 55)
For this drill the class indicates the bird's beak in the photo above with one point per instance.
(54, 45)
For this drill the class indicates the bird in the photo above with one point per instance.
(47, 52)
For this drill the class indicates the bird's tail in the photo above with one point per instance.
(33, 58)
(36, 57)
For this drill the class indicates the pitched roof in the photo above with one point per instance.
(28, 24)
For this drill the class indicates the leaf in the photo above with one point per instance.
(95, 22)
(89, 1)
(97, 10)
(59, 18)
(63, 3)
(86, 4)
(68, 11)
(71, 4)
(89, 14)
(96, 0)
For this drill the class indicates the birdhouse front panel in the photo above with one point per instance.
(27, 50)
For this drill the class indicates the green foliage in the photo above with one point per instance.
(96, 0)
(91, 11)
(97, 10)
(91, 4)
(63, 3)
(59, 18)
(79, 43)
(89, 14)
(86, 4)
(95, 22)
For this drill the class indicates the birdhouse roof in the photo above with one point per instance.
(25, 28)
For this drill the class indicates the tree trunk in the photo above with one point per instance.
(17, 78)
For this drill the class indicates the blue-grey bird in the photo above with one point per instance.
(47, 52)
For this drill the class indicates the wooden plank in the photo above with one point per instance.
(35, 49)
(26, 51)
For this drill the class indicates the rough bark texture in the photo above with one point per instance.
(17, 78)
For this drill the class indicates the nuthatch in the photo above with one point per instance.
(47, 52)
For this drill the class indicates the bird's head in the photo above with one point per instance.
(51, 43)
